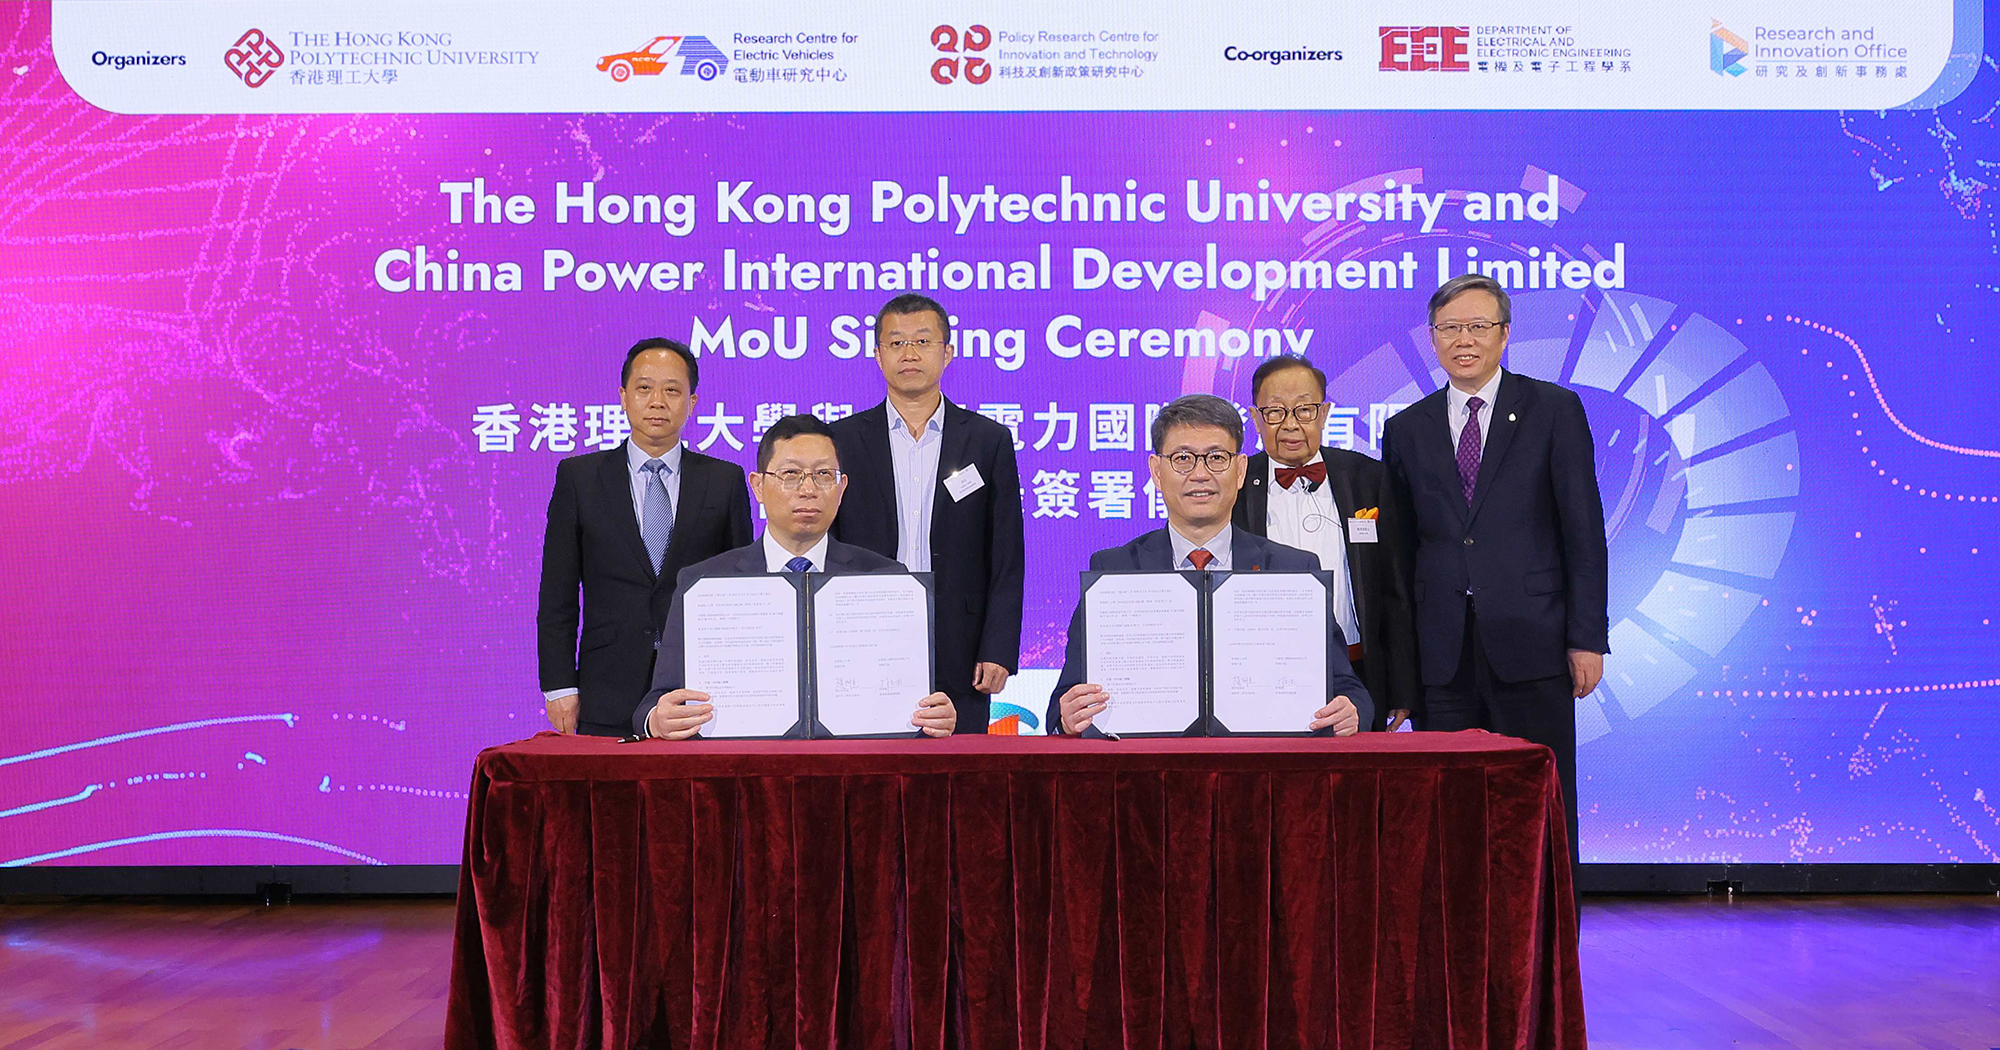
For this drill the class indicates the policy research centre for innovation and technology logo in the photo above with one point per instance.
(699, 57)
(1726, 50)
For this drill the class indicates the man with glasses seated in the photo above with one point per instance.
(935, 487)
(1198, 466)
(1329, 502)
(799, 483)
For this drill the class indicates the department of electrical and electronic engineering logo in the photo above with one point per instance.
(253, 58)
(1726, 51)
(1425, 49)
(699, 57)
(970, 41)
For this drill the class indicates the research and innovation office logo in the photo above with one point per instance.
(698, 56)
(254, 57)
(1726, 50)
(1425, 49)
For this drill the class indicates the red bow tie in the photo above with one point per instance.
(1314, 473)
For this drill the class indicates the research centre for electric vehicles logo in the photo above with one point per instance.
(697, 57)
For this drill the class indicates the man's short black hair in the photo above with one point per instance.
(789, 427)
(1279, 364)
(657, 343)
(912, 303)
(1196, 410)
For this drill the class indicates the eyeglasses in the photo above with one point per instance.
(790, 480)
(1275, 414)
(919, 345)
(1451, 329)
(1183, 462)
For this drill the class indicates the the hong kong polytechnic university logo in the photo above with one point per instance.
(254, 57)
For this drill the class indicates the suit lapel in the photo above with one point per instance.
(1443, 444)
(954, 452)
(1256, 498)
(615, 474)
(880, 464)
(1155, 552)
(1342, 484)
(694, 489)
(1499, 434)
(1246, 552)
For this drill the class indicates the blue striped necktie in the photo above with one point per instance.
(656, 524)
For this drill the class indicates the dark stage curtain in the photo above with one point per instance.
(1408, 890)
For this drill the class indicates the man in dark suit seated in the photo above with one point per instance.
(1332, 503)
(934, 486)
(798, 480)
(1197, 465)
(622, 524)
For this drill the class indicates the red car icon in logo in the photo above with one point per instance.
(699, 58)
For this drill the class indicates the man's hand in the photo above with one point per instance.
(1585, 668)
(679, 715)
(1340, 714)
(562, 712)
(1081, 704)
(988, 678)
(936, 715)
(1396, 719)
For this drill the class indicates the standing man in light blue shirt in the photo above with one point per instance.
(935, 487)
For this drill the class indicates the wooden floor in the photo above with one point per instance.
(1834, 973)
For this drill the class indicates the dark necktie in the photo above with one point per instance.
(1314, 473)
(1468, 448)
(799, 564)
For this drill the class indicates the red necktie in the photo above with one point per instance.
(1200, 558)
(1314, 473)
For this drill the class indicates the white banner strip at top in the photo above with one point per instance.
(501, 56)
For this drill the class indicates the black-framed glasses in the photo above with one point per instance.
(1478, 329)
(919, 345)
(790, 480)
(1275, 414)
(1183, 461)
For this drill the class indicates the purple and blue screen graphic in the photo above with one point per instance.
(272, 530)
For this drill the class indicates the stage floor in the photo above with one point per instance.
(1772, 973)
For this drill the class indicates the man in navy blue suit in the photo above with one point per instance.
(1198, 467)
(799, 483)
(1495, 480)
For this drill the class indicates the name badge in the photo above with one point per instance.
(1361, 530)
(964, 482)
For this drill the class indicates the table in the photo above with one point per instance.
(1387, 890)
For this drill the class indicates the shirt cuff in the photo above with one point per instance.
(550, 696)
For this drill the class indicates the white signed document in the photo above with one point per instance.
(872, 652)
(1142, 643)
(742, 638)
(1270, 651)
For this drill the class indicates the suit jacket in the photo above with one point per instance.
(1381, 602)
(593, 543)
(976, 552)
(1154, 552)
(1529, 548)
(670, 671)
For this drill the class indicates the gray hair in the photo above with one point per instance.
(1196, 410)
(1471, 282)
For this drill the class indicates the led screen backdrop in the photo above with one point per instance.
(295, 339)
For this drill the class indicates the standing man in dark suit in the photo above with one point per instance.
(935, 487)
(1496, 477)
(1197, 465)
(1328, 502)
(622, 523)
(800, 485)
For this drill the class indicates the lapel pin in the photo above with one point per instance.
(1511, 417)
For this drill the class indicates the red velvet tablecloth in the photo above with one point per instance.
(1405, 890)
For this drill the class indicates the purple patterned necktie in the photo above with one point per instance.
(1468, 448)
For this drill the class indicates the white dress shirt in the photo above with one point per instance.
(1310, 521)
(1217, 545)
(915, 457)
(635, 458)
(1455, 413)
(775, 554)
